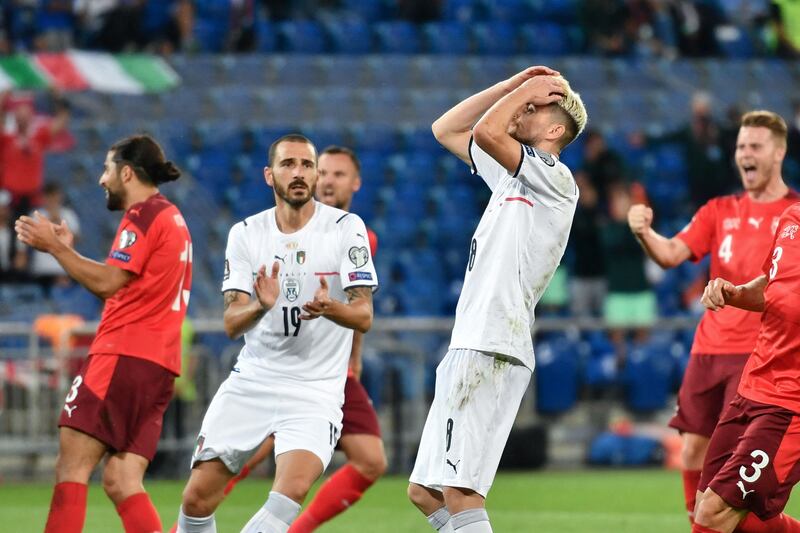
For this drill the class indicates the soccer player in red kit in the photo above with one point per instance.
(116, 404)
(753, 459)
(339, 179)
(736, 231)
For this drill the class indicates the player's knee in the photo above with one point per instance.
(70, 468)
(112, 485)
(373, 466)
(197, 502)
(419, 496)
(709, 509)
(693, 453)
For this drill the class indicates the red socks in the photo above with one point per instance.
(691, 478)
(138, 514)
(779, 524)
(344, 488)
(67, 508)
(245, 471)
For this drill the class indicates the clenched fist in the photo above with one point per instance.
(717, 293)
(640, 218)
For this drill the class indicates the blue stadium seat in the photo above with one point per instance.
(509, 10)
(557, 376)
(397, 37)
(302, 37)
(547, 38)
(210, 34)
(369, 10)
(647, 376)
(266, 36)
(495, 38)
(350, 36)
(463, 10)
(734, 42)
(446, 38)
(383, 106)
(391, 71)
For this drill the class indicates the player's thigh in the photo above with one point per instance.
(702, 396)
(317, 435)
(238, 419)
(78, 454)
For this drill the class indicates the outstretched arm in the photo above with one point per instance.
(454, 128)
(750, 296)
(667, 253)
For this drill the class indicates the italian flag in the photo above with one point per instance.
(79, 71)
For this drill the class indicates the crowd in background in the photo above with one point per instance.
(647, 28)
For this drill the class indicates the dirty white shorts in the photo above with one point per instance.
(475, 404)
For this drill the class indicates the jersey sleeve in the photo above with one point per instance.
(356, 266)
(547, 178)
(238, 273)
(131, 247)
(485, 166)
(698, 233)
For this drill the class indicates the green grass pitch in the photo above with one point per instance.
(603, 501)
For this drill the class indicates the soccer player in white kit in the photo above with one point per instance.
(510, 134)
(298, 322)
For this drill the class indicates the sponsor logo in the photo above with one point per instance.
(789, 231)
(359, 256)
(291, 289)
(120, 256)
(356, 276)
(529, 150)
(127, 238)
(226, 275)
(300, 257)
(453, 466)
(729, 224)
(69, 409)
(281, 259)
(741, 488)
(755, 222)
(546, 158)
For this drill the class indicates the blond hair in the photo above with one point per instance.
(573, 107)
(762, 118)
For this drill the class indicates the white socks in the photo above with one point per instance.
(276, 515)
(192, 524)
(471, 521)
(440, 520)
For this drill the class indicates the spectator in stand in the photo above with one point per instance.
(604, 27)
(786, 25)
(111, 25)
(696, 23)
(631, 302)
(793, 150)
(13, 260)
(601, 165)
(588, 281)
(22, 149)
(44, 268)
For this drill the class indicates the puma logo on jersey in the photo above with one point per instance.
(455, 466)
(755, 222)
(744, 492)
(281, 259)
(69, 409)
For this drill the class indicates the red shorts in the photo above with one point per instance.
(120, 401)
(359, 417)
(708, 386)
(752, 459)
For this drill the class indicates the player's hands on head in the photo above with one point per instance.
(266, 287)
(543, 90)
(640, 218)
(319, 305)
(717, 293)
(521, 77)
(38, 232)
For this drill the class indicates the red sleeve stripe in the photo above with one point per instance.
(519, 199)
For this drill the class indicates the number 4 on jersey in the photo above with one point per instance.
(725, 249)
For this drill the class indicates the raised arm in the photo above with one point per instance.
(241, 313)
(356, 314)
(454, 128)
(750, 296)
(491, 131)
(667, 253)
(101, 279)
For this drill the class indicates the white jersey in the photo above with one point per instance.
(282, 349)
(514, 252)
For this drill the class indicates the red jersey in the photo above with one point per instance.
(772, 373)
(737, 232)
(143, 319)
(22, 160)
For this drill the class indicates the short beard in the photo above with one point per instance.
(294, 202)
(115, 202)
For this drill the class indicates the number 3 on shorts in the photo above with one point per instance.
(73, 390)
(758, 466)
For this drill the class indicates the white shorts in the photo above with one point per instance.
(244, 412)
(475, 404)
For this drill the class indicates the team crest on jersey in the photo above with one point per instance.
(729, 224)
(789, 231)
(359, 256)
(300, 257)
(198, 447)
(126, 238)
(291, 289)
(547, 158)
